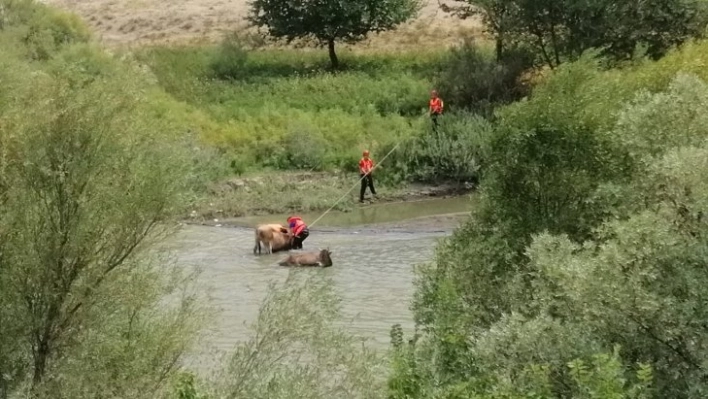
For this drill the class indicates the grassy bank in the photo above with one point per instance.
(282, 109)
(272, 113)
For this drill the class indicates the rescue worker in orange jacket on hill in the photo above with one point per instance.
(436, 107)
(299, 231)
(366, 166)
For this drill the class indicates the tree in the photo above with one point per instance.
(499, 16)
(89, 181)
(328, 21)
(562, 30)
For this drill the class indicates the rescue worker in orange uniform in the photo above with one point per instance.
(436, 107)
(366, 166)
(299, 231)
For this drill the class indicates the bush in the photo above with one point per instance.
(469, 78)
(42, 30)
(455, 152)
(297, 351)
(90, 178)
(229, 60)
(586, 235)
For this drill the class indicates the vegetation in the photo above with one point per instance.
(331, 21)
(588, 239)
(89, 180)
(279, 111)
(579, 274)
(559, 31)
(296, 350)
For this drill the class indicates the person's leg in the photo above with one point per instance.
(303, 236)
(371, 184)
(363, 189)
(297, 242)
(434, 117)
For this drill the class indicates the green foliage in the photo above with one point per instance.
(185, 387)
(604, 376)
(41, 30)
(90, 181)
(91, 178)
(278, 110)
(330, 20)
(588, 233)
(455, 151)
(296, 350)
(281, 111)
(561, 31)
(471, 79)
(229, 61)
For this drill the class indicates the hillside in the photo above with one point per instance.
(139, 22)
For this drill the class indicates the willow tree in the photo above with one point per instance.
(90, 181)
(329, 21)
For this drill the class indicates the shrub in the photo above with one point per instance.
(297, 351)
(302, 149)
(229, 60)
(89, 180)
(456, 151)
(40, 29)
(469, 78)
(586, 234)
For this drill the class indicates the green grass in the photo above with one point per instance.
(283, 109)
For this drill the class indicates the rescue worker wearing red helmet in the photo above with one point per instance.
(366, 166)
(299, 231)
(436, 107)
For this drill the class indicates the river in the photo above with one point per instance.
(374, 251)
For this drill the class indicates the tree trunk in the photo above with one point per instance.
(334, 61)
(40, 361)
(4, 389)
(499, 47)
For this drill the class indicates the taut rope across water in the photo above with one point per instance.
(354, 186)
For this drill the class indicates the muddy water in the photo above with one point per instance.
(372, 269)
(386, 213)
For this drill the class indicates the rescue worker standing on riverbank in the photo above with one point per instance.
(436, 108)
(299, 231)
(366, 166)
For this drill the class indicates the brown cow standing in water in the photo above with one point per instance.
(274, 237)
(322, 258)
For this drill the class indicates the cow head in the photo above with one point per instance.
(325, 257)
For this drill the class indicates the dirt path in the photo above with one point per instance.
(139, 22)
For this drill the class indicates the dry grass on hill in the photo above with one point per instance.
(140, 22)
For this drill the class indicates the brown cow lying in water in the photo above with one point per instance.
(274, 237)
(321, 258)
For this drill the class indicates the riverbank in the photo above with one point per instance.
(306, 192)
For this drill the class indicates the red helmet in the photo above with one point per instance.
(293, 218)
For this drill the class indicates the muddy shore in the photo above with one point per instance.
(280, 193)
(414, 197)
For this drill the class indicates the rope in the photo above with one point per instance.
(354, 186)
